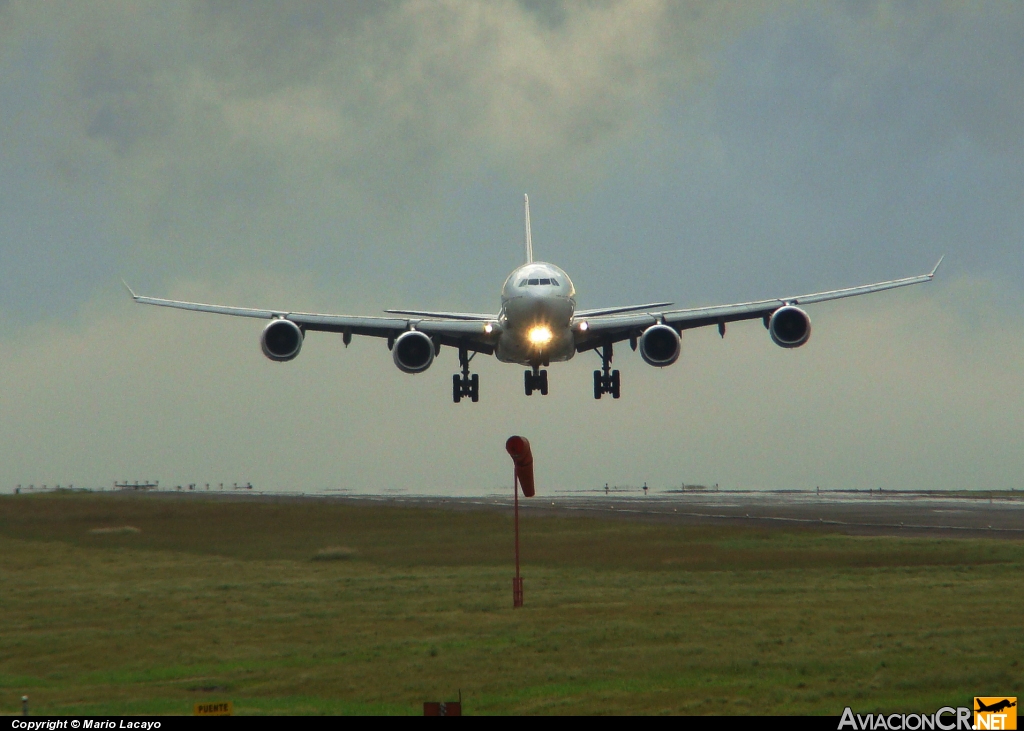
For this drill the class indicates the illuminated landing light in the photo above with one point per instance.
(488, 328)
(540, 335)
(584, 326)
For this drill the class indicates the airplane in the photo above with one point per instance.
(995, 707)
(538, 324)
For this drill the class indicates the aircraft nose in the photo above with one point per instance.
(528, 306)
(529, 310)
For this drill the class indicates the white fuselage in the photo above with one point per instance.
(537, 306)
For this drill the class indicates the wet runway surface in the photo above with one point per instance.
(852, 513)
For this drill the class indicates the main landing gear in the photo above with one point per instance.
(465, 384)
(536, 380)
(606, 380)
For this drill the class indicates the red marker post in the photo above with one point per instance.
(518, 449)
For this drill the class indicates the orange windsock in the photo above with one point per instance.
(518, 449)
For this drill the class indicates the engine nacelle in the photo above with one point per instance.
(790, 327)
(281, 340)
(660, 346)
(413, 352)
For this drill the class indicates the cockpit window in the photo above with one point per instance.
(544, 281)
(534, 281)
(522, 282)
(554, 282)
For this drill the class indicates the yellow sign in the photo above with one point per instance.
(221, 709)
(995, 712)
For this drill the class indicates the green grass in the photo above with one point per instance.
(221, 599)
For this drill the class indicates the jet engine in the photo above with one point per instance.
(413, 352)
(281, 340)
(659, 346)
(790, 327)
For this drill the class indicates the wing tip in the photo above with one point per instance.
(130, 290)
(936, 268)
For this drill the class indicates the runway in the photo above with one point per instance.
(887, 513)
(963, 515)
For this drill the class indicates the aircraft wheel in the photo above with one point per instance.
(474, 387)
(597, 385)
(543, 383)
(615, 384)
(528, 382)
(456, 388)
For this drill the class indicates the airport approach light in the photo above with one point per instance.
(540, 335)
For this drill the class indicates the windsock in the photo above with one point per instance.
(519, 450)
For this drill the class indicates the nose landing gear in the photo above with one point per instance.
(465, 385)
(606, 380)
(536, 380)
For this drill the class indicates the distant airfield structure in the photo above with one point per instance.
(137, 486)
(44, 488)
(194, 486)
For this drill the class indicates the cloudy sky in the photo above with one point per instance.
(347, 157)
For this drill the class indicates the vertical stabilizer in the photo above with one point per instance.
(529, 236)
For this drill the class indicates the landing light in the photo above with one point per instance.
(540, 335)
(488, 328)
(584, 326)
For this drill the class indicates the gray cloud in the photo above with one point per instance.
(226, 135)
(348, 157)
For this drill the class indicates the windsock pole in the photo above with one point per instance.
(518, 449)
(517, 582)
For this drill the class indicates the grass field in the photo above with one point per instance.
(320, 606)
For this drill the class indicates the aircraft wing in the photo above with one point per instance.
(474, 335)
(619, 310)
(601, 330)
(444, 315)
